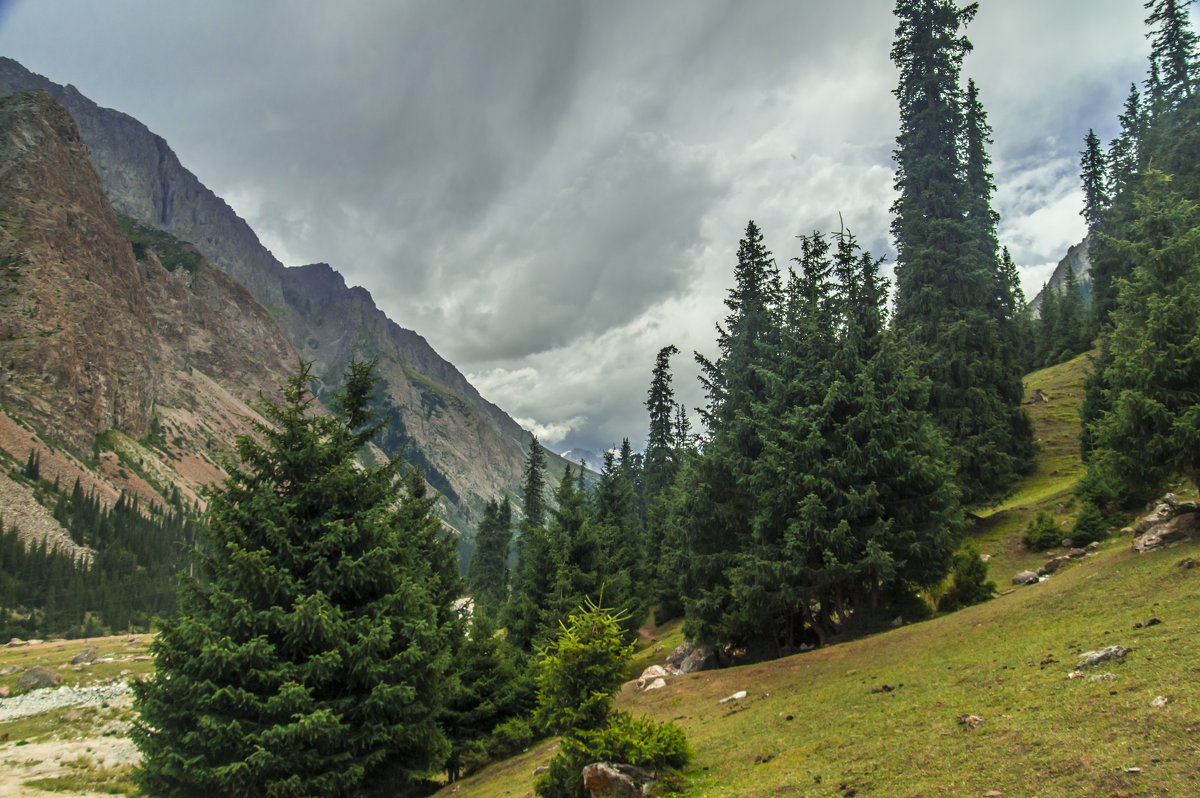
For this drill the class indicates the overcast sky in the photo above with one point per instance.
(550, 191)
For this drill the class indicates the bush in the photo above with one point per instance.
(1090, 525)
(579, 676)
(1043, 533)
(969, 582)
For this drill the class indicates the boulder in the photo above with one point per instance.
(85, 657)
(657, 684)
(4, 691)
(682, 651)
(1103, 655)
(1053, 565)
(699, 660)
(1025, 578)
(1159, 536)
(607, 778)
(1091, 547)
(37, 677)
(1076, 553)
(654, 672)
(738, 696)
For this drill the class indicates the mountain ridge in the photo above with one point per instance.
(468, 447)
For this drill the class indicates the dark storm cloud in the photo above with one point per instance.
(551, 190)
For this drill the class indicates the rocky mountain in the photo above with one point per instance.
(127, 361)
(468, 448)
(1076, 260)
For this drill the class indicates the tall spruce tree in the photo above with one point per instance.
(1123, 150)
(715, 506)
(950, 292)
(1143, 419)
(1173, 44)
(662, 452)
(310, 660)
(532, 580)
(1092, 172)
(487, 574)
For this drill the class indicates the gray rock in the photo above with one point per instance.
(682, 651)
(1103, 655)
(1159, 536)
(699, 660)
(37, 677)
(85, 657)
(608, 778)
(1067, 543)
(1075, 554)
(1025, 578)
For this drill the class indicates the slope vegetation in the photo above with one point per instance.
(884, 715)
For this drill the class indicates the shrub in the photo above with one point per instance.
(969, 582)
(1042, 533)
(1090, 525)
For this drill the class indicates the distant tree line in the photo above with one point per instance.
(131, 578)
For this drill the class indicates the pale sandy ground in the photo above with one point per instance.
(19, 764)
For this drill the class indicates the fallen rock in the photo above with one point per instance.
(1091, 658)
(738, 696)
(651, 674)
(1159, 536)
(1075, 553)
(4, 691)
(607, 778)
(970, 721)
(699, 660)
(85, 657)
(1025, 578)
(1053, 565)
(680, 653)
(1091, 547)
(36, 678)
(1104, 677)
(1161, 701)
(539, 771)
(7, 669)
(16, 642)
(656, 684)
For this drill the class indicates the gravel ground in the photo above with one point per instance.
(48, 698)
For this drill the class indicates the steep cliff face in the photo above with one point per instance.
(68, 273)
(127, 361)
(469, 448)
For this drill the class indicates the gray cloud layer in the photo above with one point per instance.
(549, 190)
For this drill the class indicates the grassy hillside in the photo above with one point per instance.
(880, 716)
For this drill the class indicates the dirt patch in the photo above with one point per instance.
(53, 759)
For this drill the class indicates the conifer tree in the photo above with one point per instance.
(532, 580)
(1144, 415)
(1092, 173)
(1174, 67)
(1123, 150)
(310, 661)
(487, 574)
(662, 455)
(951, 296)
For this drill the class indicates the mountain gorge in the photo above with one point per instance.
(182, 330)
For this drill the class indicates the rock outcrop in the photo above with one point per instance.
(1171, 521)
(98, 336)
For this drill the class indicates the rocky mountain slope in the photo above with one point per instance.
(1077, 260)
(468, 448)
(127, 361)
